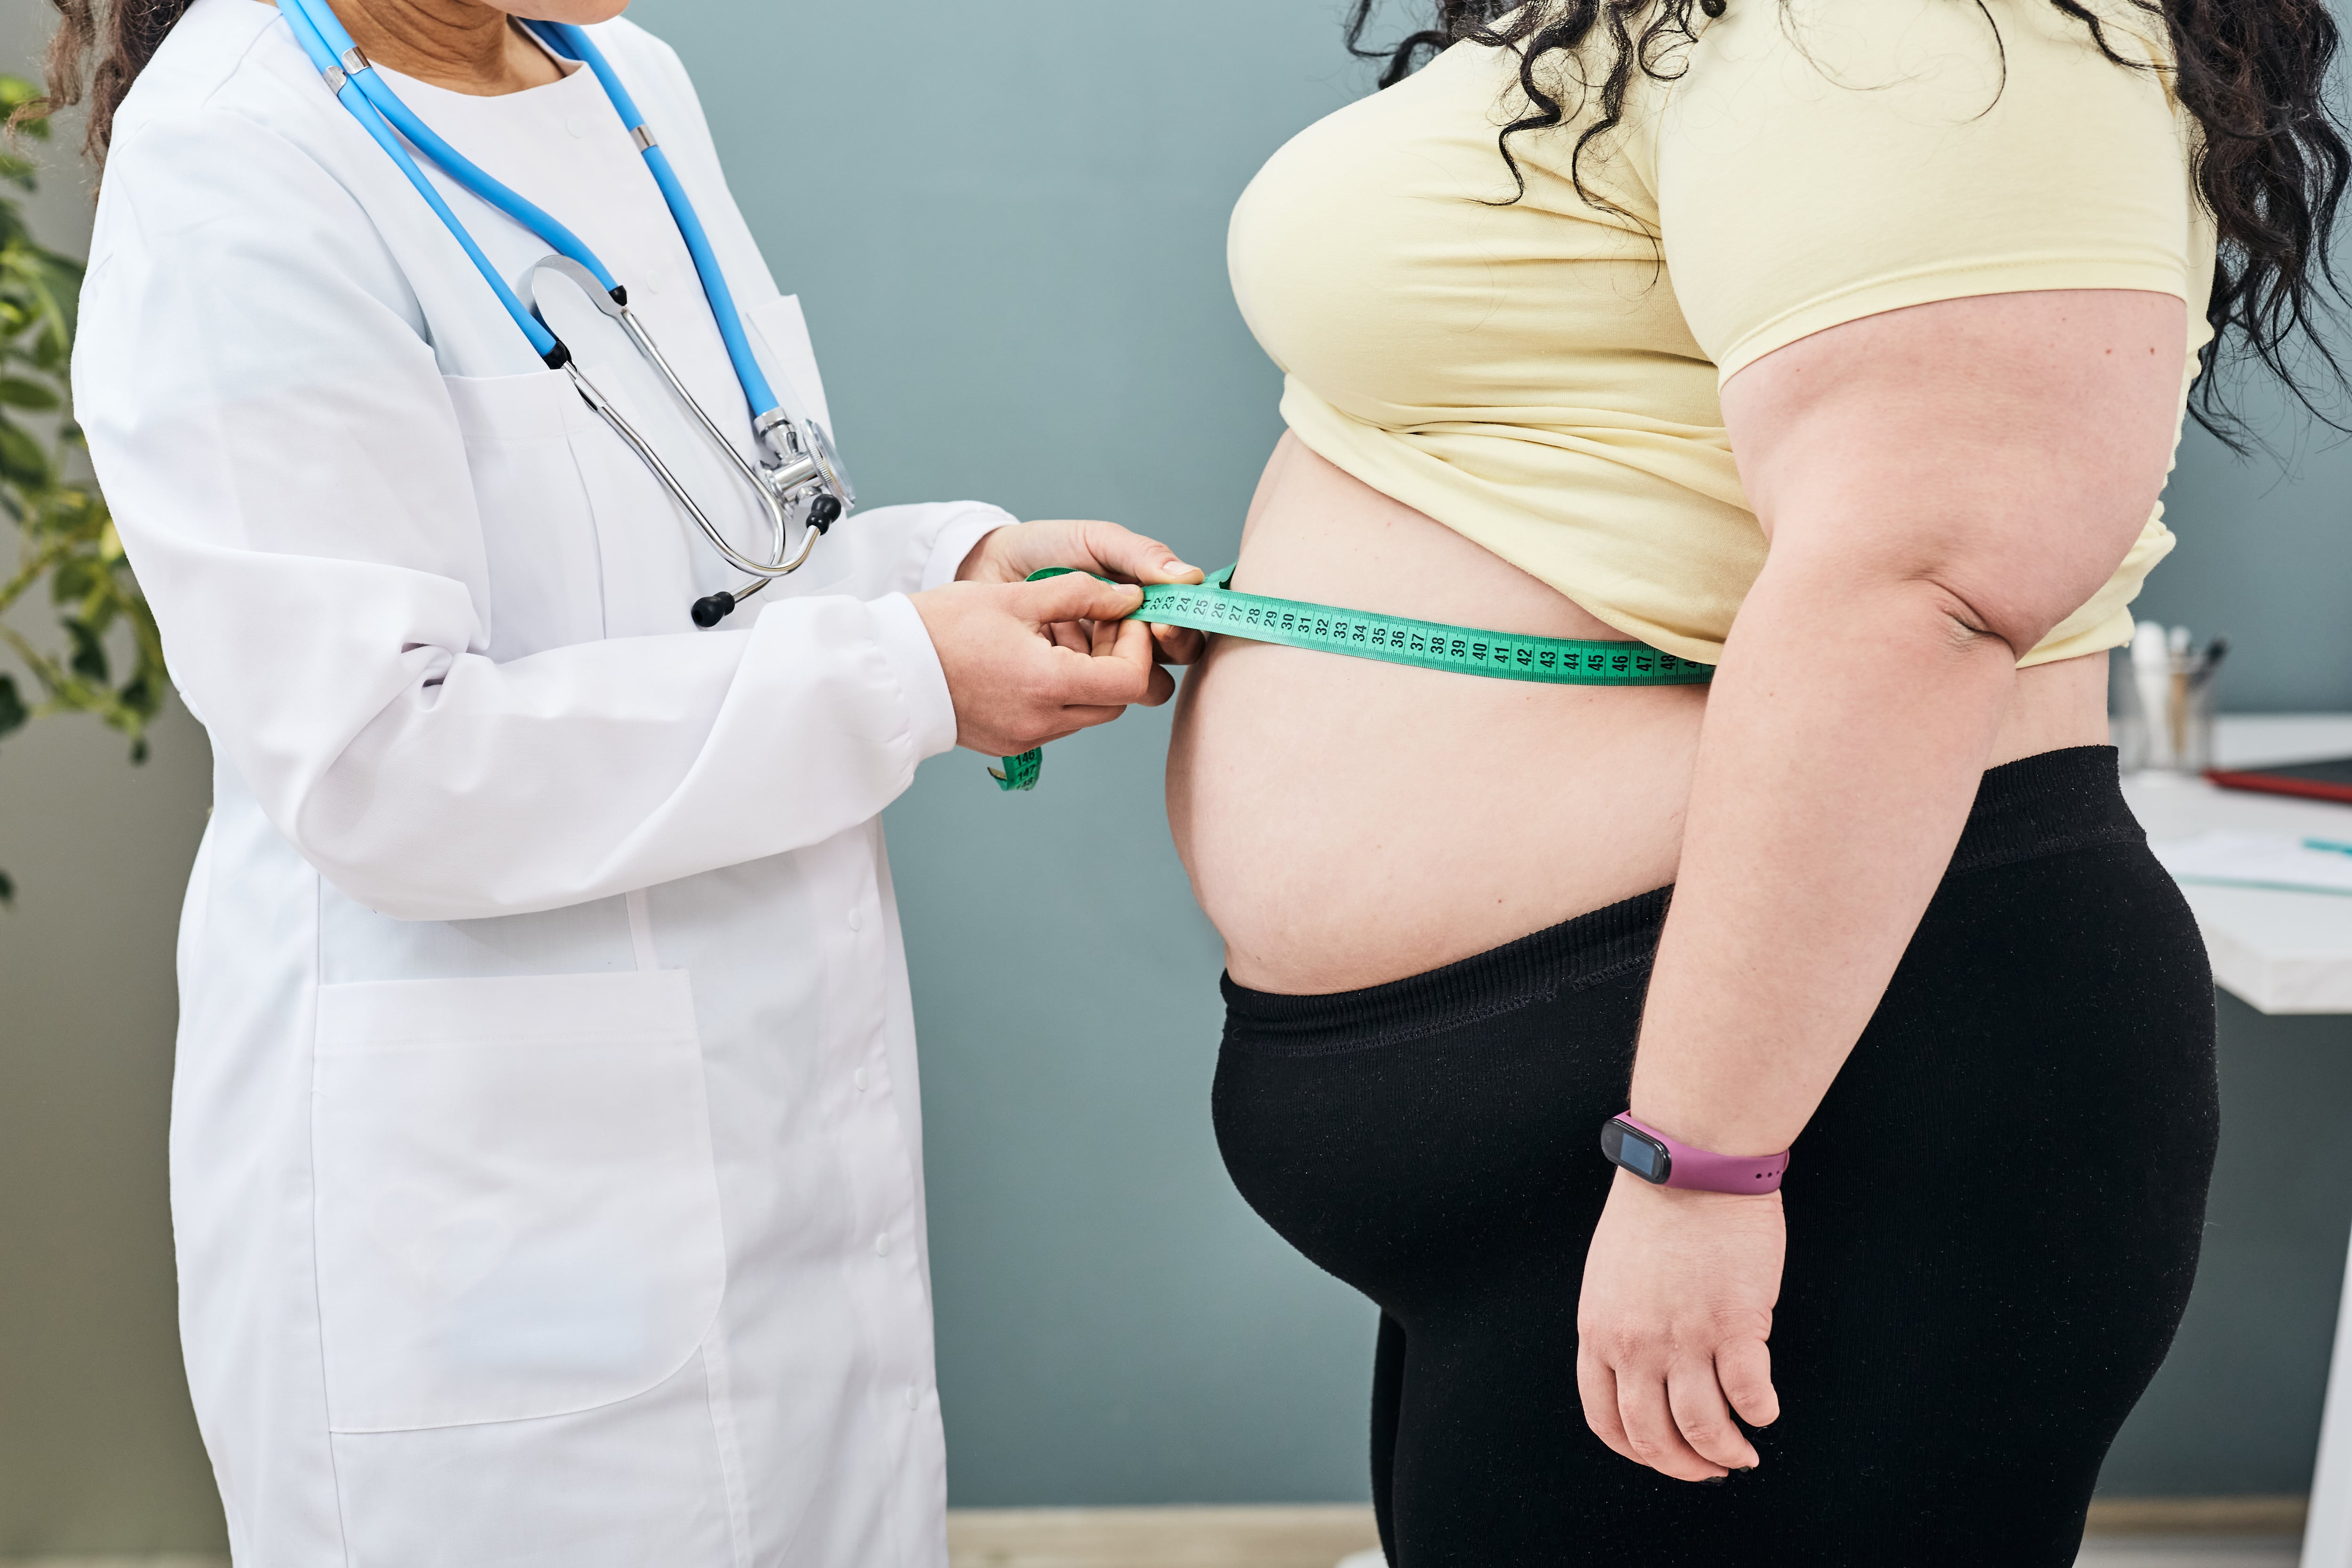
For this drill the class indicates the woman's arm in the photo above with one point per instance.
(1941, 485)
(287, 467)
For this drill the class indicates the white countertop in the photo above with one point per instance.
(2279, 951)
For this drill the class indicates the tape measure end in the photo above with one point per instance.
(1020, 773)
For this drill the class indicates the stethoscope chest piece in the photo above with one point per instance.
(797, 479)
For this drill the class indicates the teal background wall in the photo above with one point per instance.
(1008, 224)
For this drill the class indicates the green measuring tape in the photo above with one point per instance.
(1213, 606)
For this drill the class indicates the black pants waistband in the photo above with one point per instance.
(2039, 806)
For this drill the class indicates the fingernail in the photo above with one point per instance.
(1715, 1481)
(1180, 566)
(1749, 1469)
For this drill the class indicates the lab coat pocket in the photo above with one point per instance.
(517, 1208)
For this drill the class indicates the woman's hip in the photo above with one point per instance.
(2040, 1072)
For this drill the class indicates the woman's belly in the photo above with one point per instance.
(1347, 823)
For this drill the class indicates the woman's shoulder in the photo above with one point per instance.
(224, 59)
(1903, 71)
(1825, 160)
(1828, 99)
(1927, 59)
(228, 122)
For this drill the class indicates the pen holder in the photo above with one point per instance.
(2161, 711)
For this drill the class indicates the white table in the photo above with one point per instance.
(2280, 953)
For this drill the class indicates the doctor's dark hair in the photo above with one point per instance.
(2255, 74)
(124, 35)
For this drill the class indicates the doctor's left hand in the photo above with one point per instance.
(1105, 549)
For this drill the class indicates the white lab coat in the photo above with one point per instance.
(546, 1157)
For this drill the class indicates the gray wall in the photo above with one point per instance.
(1024, 299)
(97, 1446)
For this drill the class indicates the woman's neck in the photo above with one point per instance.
(460, 44)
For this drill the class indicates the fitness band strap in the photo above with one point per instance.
(1215, 606)
(1692, 1170)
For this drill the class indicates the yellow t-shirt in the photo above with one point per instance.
(1542, 376)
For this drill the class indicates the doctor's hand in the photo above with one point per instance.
(1105, 549)
(1672, 1328)
(1016, 685)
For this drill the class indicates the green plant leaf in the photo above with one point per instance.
(14, 93)
(140, 695)
(88, 660)
(65, 539)
(18, 393)
(22, 461)
(73, 579)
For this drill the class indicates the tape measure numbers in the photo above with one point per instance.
(1215, 606)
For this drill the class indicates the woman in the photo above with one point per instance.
(546, 1156)
(1840, 345)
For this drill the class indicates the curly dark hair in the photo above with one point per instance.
(2255, 74)
(124, 35)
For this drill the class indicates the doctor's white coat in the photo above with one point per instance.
(545, 1160)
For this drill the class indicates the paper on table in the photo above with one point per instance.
(2255, 860)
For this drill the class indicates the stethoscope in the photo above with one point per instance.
(798, 474)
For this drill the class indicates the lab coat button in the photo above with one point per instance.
(914, 1397)
(857, 919)
(882, 1245)
(577, 125)
(858, 1078)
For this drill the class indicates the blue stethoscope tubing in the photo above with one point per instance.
(807, 470)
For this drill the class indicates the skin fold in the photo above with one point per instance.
(1940, 486)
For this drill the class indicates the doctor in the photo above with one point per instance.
(546, 1156)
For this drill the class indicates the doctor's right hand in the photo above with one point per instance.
(1015, 687)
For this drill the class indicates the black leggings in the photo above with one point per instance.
(1993, 1219)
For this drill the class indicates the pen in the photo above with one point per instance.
(2177, 648)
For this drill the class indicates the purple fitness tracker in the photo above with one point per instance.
(1660, 1161)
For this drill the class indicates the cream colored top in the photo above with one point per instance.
(1542, 376)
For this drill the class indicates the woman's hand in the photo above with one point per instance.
(1014, 686)
(1678, 1294)
(1105, 549)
